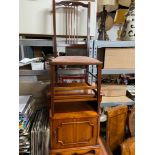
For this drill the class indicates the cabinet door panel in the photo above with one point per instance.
(65, 133)
(86, 131)
(74, 132)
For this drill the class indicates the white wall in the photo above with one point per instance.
(35, 18)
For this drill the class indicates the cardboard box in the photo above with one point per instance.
(119, 58)
(117, 99)
(113, 90)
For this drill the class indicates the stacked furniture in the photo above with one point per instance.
(75, 110)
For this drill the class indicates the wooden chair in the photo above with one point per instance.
(128, 146)
(72, 38)
(72, 24)
(116, 124)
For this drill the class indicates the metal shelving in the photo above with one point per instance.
(111, 44)
(49, 43)
(33, 72)
(110, 104)
(118, 71)
(46, 42)
(115, 71)
(100, 43)
(35, 42)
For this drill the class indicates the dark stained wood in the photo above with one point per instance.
(116, 124)
(71, 3)
(54, 30)
(74, 60)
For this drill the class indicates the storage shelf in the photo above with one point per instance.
(118, 71)
(73, 110)
(33, 72)
(69, 92)
(100, 43)
(108, 101)
(47, 42)
(110, 104)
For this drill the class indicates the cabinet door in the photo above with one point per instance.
(86, 131)
(74, 132)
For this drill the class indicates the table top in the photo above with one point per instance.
(74, 60)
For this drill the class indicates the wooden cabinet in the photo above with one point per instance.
(69, 133)
(74, 125)
(75, 109)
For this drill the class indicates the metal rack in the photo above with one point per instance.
(93, 46)
(49, 43)
(113, 44)
(100, 43)
(110, 104)
(46, 42)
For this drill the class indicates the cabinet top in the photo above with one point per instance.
(74, 60)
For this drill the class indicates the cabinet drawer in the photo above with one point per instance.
(74, 132)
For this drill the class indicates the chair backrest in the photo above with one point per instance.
(72, 22)
(116, 125)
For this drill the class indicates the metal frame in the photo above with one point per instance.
(90, 54)
(45, 42)
(49, 43)
(100, 44)
(33, 72)
(105, 44)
